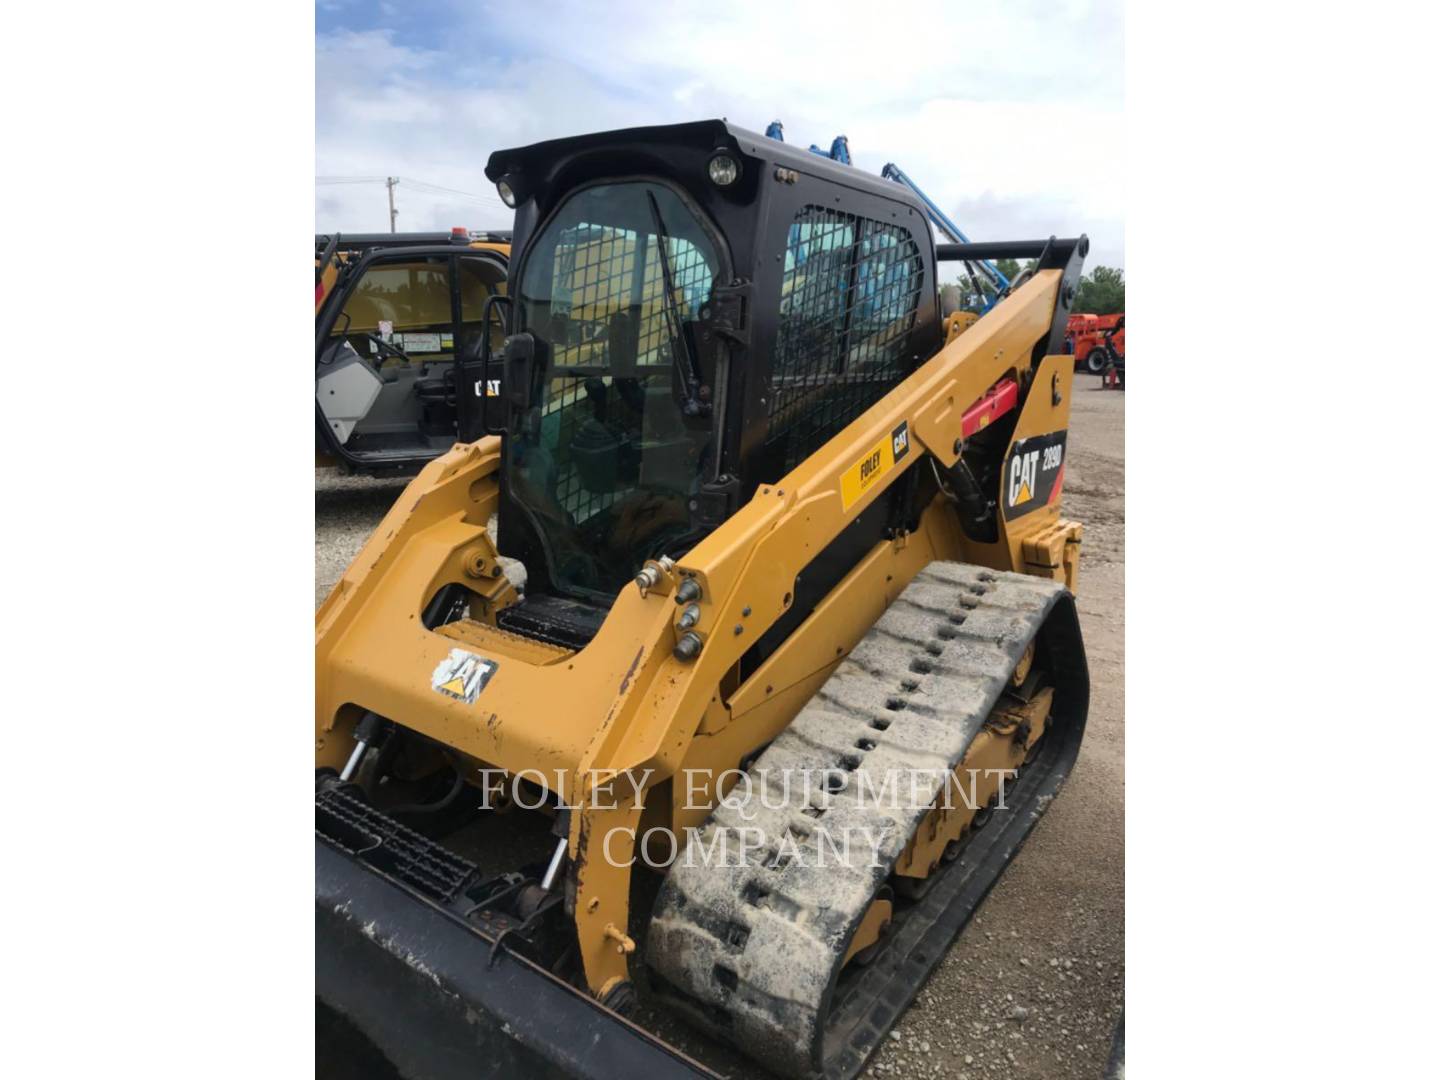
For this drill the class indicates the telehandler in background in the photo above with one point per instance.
(1088, 339)
(393, 312)
(779, 519)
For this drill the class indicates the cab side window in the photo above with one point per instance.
(848, 302)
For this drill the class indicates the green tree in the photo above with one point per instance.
(1101, 292)
(1011, 269)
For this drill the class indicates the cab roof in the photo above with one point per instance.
(539, 164)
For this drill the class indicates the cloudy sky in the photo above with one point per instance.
(1009, 114)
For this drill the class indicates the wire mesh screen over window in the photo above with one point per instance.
(847, 305)
(598, 276)
(607, 314)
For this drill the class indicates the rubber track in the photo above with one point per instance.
(751, 949)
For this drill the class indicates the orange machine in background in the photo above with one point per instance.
(1086, 337)
(1115, 355)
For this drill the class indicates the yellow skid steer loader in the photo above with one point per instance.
(795, 664)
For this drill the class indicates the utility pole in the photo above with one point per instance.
(390, 182)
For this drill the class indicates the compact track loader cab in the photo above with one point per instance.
(791, 540)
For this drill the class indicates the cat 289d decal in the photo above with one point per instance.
(1033, 474)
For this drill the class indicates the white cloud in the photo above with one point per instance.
(1010, 115)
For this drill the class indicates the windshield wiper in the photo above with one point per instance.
(684, 360)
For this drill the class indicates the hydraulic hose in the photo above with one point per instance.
(977, 514)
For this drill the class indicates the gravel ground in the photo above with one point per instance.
(1034, 986)
(347, 508)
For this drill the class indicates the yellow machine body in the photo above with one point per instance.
(605, 728)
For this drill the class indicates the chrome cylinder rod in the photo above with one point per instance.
(354, 762)
(555, 861)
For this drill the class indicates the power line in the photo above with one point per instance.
(423, 186)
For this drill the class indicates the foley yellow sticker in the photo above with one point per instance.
(868, 471)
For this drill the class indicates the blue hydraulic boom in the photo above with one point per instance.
(840, 151)
(839, 148)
